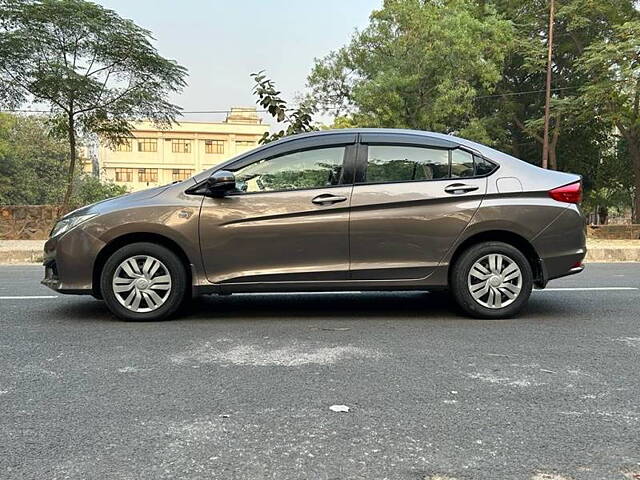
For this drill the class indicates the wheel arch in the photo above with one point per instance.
(509, 237)
(129, 238)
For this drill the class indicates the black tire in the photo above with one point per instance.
(174, 266)
(459, 277)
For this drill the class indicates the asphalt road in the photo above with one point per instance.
(240, 387)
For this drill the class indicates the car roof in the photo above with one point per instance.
(444, 140)
(483, 149)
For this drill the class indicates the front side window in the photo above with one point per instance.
(308, 169)
(148, 145)
(396, 163)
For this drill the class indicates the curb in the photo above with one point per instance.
(594, 255)
(20, 256)
(613, 254)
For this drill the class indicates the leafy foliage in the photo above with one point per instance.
(297, 120)
(613, 91)
(419, 64)
(96, 71)
(33, 167)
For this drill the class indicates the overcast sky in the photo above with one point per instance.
(222, 41)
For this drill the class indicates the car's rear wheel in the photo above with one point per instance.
(492, 280)
(143, 281)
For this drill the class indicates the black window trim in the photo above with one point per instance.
(363, 161)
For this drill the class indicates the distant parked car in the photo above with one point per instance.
(363, 209)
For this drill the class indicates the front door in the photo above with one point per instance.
(288, 221)
(409, 204)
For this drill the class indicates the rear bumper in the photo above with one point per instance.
(562, 246)
(559, 267)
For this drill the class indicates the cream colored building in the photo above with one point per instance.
(157, 157)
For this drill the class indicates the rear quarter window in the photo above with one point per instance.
(483, 166)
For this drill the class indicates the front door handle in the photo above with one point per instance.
(458, 188)
(328, 199)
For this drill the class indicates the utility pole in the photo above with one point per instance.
(547, 102)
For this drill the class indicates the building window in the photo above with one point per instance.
(179, 174)
(124, 174)
(214, 146)
(181, 146)
(125, 146)
(245, 143)
(147, 175)
(147, 145)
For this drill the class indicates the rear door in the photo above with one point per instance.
(289, 220)
(411, 200)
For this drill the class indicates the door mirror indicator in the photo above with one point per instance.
(220, 183)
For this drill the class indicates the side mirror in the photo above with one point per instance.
(220, 183)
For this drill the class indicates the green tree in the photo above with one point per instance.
(613, 90)
(519, 116)
(418, 64)
(298, 120)
(477, 69)
(96, 71)
(90, 189)
(33, 166)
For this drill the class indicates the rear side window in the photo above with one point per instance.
(399, 163)
(461, 164)
(395, 163)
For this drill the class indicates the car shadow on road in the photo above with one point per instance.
(326, 306)
(436, 305)
(284, 306)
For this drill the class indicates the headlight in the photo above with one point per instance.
(68, 223)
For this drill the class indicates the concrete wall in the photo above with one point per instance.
(27, 222)
(614, 232)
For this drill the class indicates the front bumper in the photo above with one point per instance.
(68, 262)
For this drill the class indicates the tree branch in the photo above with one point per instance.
(526, 130)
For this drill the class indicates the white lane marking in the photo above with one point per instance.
(30, 297)
(585, 289)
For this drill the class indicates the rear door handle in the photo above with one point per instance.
(328, 199)
(458, 188)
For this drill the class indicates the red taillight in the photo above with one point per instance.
(571, 193)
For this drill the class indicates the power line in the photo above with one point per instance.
(510, 94)
(184, 111)
(206, 112)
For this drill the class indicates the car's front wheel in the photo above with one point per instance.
(143, 281)
(492, 280)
